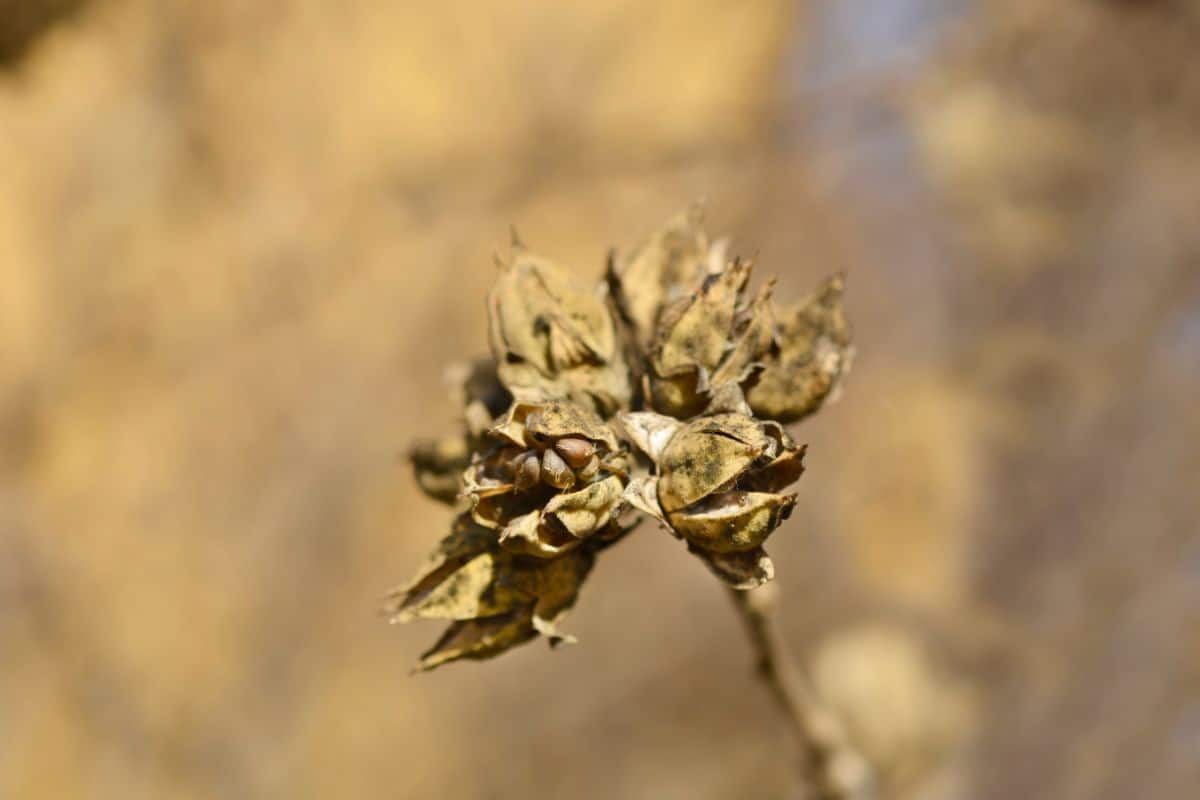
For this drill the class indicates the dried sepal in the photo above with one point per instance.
(533, 424)
(648, 431)
(744, 570)
(732, 521)
(813, 355)
(565, 520)
(495, 599)
(478, 639)
(753, 337)
(465, 542)
(553, 338)
(586, 511)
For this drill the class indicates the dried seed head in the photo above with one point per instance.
(555, 471)
(540, 461)
(576, 452)
(552, 337)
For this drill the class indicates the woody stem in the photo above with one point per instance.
(830, 768)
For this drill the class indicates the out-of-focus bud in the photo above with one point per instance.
(539, 502)
(439, 463)
(813, 356)
(494, 599)
(718, 486)
(553, 338)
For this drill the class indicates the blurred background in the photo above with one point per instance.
(240, 241)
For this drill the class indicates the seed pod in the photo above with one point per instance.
(666, 267)
(552, 337)
(813, 357)
(718, 486)
(555, 471)
(576, 452)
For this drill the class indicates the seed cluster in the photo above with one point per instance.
(661, 392)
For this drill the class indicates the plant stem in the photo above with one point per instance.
(830, 767)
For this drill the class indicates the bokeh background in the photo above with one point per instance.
(240, 240)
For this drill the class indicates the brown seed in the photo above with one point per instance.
(527, 475)
(591, 469)
(555, 471)
(576, 452)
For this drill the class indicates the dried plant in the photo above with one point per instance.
(663, 390)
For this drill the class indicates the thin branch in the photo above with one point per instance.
(830, 767)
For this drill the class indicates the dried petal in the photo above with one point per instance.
(527, 535)
(542, 423)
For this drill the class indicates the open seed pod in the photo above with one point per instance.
(553, 338)
(494, 599)
(718, 486)
(554, 478)
(812, 357)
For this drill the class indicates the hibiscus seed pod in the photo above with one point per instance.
(576, 452)
(555, 470)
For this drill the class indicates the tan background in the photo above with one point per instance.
(240, 240)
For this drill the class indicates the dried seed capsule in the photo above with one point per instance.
(529, 472)
(555, 471)
(591, 469)
(576, 452)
